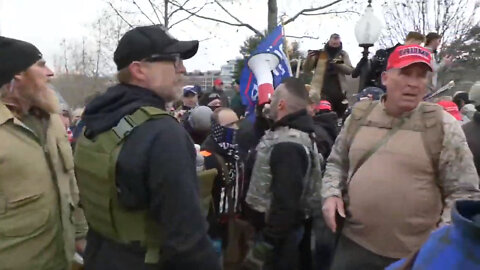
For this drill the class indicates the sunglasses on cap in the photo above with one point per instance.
(174, 58)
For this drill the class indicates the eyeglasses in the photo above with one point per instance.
(174, 58)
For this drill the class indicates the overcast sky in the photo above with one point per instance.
(45, 23)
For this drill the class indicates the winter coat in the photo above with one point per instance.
(155, 170)
(455, 246)
(341, 69)
(39, 214)
(288, 164)
(326, 131)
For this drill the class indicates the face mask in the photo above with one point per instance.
(223, 136)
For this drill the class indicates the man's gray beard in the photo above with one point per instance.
(45, 99)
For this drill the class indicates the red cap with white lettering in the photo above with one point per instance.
(404, 56)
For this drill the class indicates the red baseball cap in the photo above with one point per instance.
(218, 82)
(323, 105)
(451, 108)
(404, 56)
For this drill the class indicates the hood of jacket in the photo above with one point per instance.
(105, 111)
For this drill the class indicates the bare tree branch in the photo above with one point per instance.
(154, 10)
(188, 17)
(178, 9)
(218, 20)
(119, 15)
(226, 11)
(331, 12)
(144, 14)
(302, 12)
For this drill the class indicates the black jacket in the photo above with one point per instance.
(288, 164)
(472, 132)
(326, 131)
(155, 171)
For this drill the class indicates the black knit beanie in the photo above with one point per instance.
(15, 57)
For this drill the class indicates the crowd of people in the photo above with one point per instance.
(153, 174)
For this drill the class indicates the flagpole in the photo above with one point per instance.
(285, 49)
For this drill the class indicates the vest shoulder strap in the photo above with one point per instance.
(433, 134)
(359, 115)
(140, 116)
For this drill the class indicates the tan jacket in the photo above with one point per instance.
(38, 196)
(395, 199)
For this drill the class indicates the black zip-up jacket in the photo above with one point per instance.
(155, 171)
(288, 164)
(472, 133)
(326, 131)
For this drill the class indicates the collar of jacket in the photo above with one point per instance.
(462, 218)
(300, 120)
(5, 114)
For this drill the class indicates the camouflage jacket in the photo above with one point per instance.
(456, 170)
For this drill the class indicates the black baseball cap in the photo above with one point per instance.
(148, 41)
(16, 56)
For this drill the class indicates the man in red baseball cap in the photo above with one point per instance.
(400, 163)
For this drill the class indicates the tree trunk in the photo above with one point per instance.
(272, 15)
(165, 13)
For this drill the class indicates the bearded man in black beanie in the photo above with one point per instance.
(330, 66)
(39, 217)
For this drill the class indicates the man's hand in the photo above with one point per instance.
(330, 207)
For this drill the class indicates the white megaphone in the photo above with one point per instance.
(262, 65)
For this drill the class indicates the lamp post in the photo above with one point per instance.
(368, 29)
(367, 32)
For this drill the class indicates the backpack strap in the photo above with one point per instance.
(358, 118)
(432, 137)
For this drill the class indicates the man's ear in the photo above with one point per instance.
(282, 105)
(384, 77)
(20, 76)
(136, 70)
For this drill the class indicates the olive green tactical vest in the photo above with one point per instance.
(95, 164)
(259, 194)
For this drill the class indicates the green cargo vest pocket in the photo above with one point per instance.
(28, 224)
(65, 152)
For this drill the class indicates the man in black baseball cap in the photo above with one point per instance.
(156, 217)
